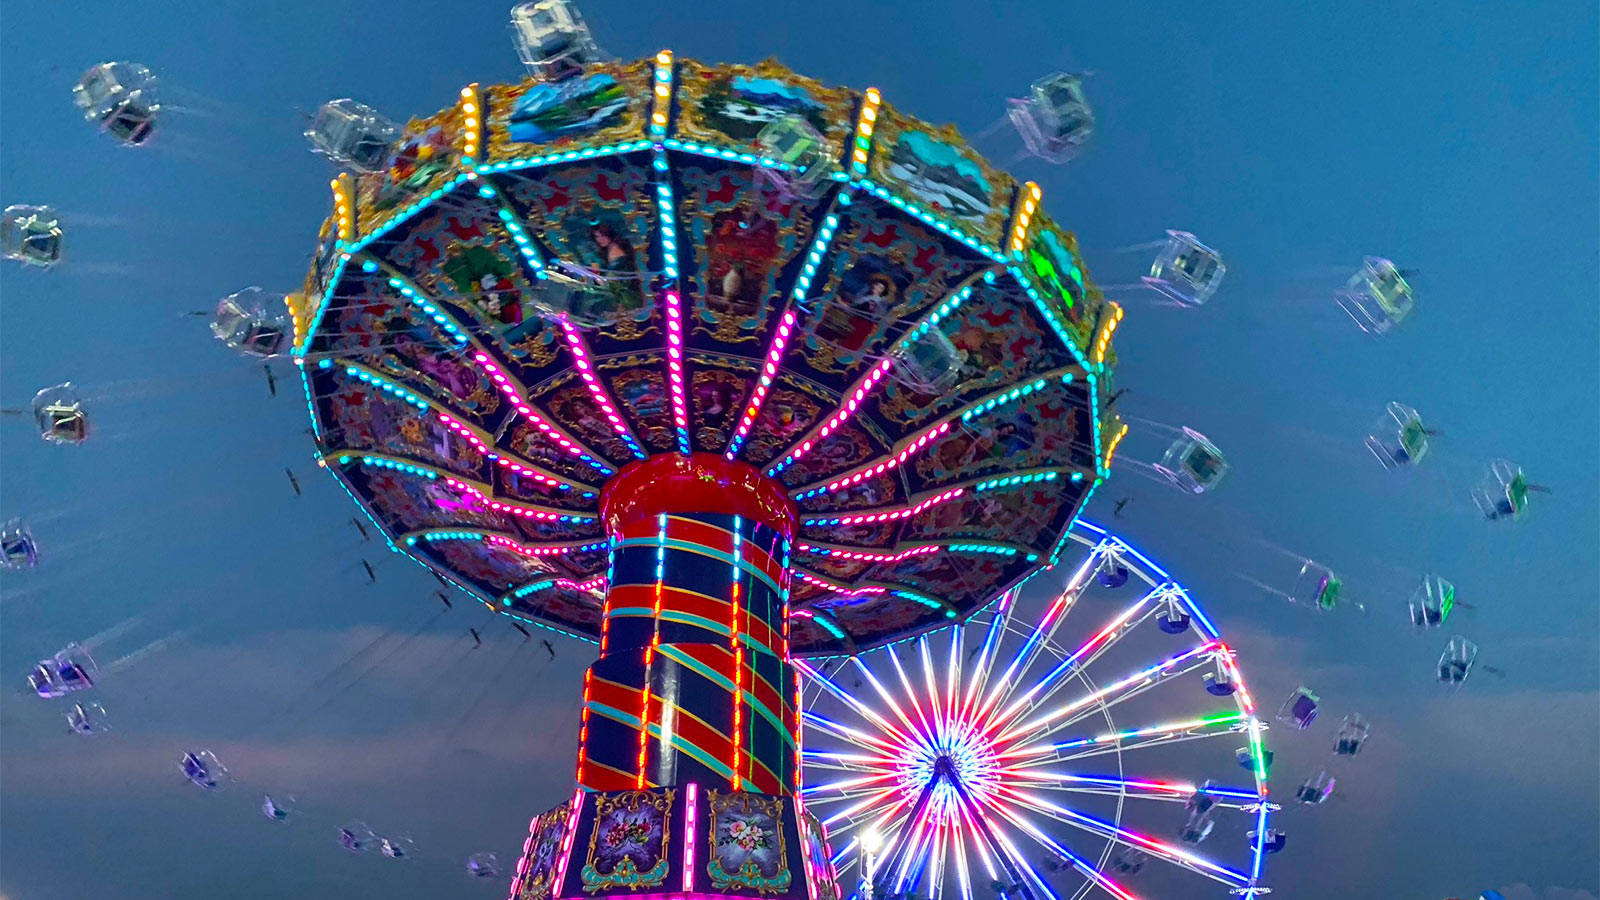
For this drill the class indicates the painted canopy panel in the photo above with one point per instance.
(486, 341)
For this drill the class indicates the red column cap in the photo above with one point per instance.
(697, 483)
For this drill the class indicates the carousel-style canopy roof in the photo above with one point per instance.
(549, 281)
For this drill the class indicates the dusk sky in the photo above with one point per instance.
(1458, 139)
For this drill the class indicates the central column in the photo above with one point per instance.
(693, 682)
(688, 751)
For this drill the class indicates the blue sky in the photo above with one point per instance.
(1457, 139)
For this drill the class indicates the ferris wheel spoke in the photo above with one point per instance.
(911, 735)
(911, 694)
(963, 876)
(986, 653)
(930, 684)
(1146, 744)
(859, 708)
(990, 853)
(1156, 680)
(843, 762)
(1041, 635)
(814, 686)
(914, 846)
(1061, 852)
(921, 874)
(1080, 659)
(1118, 691)
(1025, 869)
(1214, 725)
(851, 813)
(953, 671)
(891, 825)
(1131, 788)
(854, 736)
(835, 767)
(1156, 848)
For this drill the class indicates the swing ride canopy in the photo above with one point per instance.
(550, 281)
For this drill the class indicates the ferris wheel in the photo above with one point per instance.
(1102, 742)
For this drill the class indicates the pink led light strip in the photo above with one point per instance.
(680, 403)
(872, 557)
(526, 862)
(471, 437)
(857, 395)
(839, 589)
(515, 547)
(503, 382)
(574, 813)
(892, 462)
(512, 508)
(811, 579)
(591, 584)
(580, 357)
(846, 410)
(889, 515)
(690, 810)
(763, 384)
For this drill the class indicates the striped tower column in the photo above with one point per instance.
(693, 682)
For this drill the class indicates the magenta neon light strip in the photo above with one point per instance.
(526, 860)
(461, 428)
(509, 544)
(465, 431)
(805, 846)
(690, 808)
(811, 579)
(591, 584)
(926, 438)
(889, 515)
(471, 437)
(580, 358)
(823, 583)
(764, 383)
(847, 410)
(512, 508)
(680, 403)
(506, 387)
(573, 815)
(872, 557)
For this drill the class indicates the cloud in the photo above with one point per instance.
(1524, 892)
